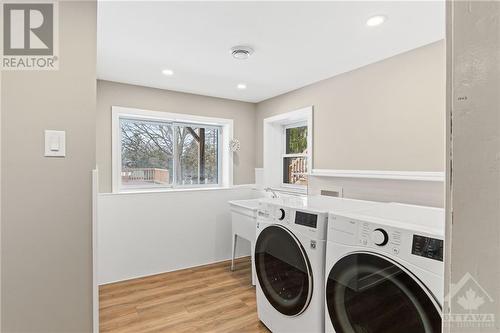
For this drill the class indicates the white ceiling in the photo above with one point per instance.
(296, 43)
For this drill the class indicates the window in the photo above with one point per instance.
(288, 149)
(168, 150)
(147, 153)
(197, 152)
(295, 154)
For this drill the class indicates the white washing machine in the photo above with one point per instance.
(384, 270)
(290, 261)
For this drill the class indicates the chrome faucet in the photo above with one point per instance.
(274, 194)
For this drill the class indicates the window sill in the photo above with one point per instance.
(178, 190)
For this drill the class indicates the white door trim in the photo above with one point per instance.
(95, 282)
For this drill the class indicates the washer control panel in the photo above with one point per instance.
(306, 219)
(281, 214)
(309, 222)
(380, 237)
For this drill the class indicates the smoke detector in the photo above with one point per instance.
(241, 52)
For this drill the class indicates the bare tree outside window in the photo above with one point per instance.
(160, 154)
(197, 160)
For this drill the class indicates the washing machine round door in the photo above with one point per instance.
(283, 270)
(369, 293)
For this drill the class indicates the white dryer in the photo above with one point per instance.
(290, 261)
(384, 270)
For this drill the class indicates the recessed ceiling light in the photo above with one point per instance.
(241, 52)
(241, 86)
(167, 72)
(376, 20)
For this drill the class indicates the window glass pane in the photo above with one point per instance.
(296, 140)
(295, 170)
(211, 156)
(146, 149)
(197, 155)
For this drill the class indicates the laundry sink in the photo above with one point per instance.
(247, 207)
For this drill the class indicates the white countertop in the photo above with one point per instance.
(322, 204)
(412, 217)
(407, 216)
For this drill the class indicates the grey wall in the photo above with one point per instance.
(386, 190)
(473, 234)
(117, 94)
(385, 116)
(46, 202)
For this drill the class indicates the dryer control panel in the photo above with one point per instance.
(392, 239)
(427, 247)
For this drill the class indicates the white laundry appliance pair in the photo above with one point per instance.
(384, 270)
(384, 266)
(289, 257)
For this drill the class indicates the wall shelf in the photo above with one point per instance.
(379, 174)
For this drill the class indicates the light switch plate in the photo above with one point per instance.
(55, 143)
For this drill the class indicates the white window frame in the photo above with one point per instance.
(284, 154)
(273, 149)
(225, 157)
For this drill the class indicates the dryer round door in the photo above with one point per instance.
(283, 270)
(370, 293)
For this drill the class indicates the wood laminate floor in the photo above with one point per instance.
(203, 299)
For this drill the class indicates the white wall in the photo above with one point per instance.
(142, 234)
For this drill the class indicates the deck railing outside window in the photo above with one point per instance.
(297, 171)
(144, 176)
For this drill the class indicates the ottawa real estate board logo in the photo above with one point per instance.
(30, 36)
(473, 308)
